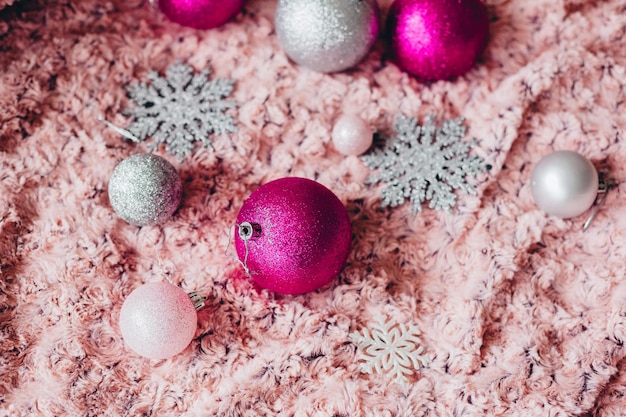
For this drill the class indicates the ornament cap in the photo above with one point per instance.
(249, 230)
(197, 299)
(605, 185)
(246, 232)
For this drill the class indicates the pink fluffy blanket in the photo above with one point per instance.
(521, 314)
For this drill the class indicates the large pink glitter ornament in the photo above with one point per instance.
(294, 235)
(437, 39)
(158, 320)
(200, 14)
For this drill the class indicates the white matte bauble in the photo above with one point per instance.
(564, 184)
(327, 35)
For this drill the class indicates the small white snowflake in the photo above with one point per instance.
(424, 163)
(391, 347)
(180, 109)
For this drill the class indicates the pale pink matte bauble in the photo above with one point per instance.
(305, 235)
(200, 14)
(437, 39)
(352, 135)
(158, 320)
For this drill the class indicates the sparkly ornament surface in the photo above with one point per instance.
(145, 189)
(303, 237)
(564, 184)
(200, 14)
(424, 163)
(394, 348)
(327, 35)
(437, 39)
(180, 109)
(352, 135)
(158, 320)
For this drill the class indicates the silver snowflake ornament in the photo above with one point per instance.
(180, 109)
(393, 348)
(424, 162)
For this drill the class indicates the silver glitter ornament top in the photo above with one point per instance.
(145, 189)
(327, 35)
(424, 163)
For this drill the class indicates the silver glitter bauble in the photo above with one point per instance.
(327, 35)
(564, 184)
(145, 189)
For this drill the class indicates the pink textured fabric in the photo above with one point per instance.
(6, 3)
(524, 314)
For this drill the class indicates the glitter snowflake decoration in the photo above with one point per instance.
(424, 163)
(391, 347)
(180, 109)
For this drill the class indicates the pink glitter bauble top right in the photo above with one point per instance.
(437, 39)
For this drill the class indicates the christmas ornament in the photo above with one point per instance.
(564, 184)
(352, 135)
(145, 189)
(424, 163)
(437, 39)
(158, 319)
(200, 14)
(327, 35)
(391, 347)
(180, 109)
(294, 235)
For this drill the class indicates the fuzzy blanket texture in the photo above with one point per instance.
(6, 3)
(523, 314)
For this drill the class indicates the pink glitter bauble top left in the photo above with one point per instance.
(200, 14)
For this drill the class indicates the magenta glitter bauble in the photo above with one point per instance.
(437, 39)
(200, 14)
(299, 235)
(158, 320)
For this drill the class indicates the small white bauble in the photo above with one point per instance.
(352, 135)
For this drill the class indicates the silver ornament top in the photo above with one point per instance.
(145, 189)
(327, 35)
